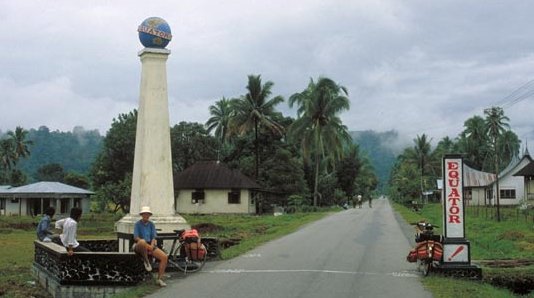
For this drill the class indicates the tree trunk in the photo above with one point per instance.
(497, 192)
(316, 182)
(256, 148)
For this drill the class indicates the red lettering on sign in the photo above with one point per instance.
(454, 219)
(454, 201)
(454, 193)
(452, 165)
(454, 210)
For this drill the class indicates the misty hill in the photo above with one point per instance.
(380, 148)
(75, 151)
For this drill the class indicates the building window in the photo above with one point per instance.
(14, 200)
(197, 196)
(234, 196)
(507, 194)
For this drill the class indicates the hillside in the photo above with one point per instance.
(75, 151)
(380, 148)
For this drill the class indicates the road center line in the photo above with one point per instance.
(240, 271)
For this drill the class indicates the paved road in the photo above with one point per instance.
(353, 253)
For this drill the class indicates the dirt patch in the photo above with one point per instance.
(511, 235)
(505, 263)
(203, 228)
(521, 285)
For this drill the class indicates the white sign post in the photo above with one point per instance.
(456, 248)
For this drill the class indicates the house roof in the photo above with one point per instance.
(475, 178)
(527, 170)
(44, 188)
(514, 163)
(212, 175)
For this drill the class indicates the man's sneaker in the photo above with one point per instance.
(148, 267)
(160, 283)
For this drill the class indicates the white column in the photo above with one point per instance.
(152, 182)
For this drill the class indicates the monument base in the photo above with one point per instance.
(164, 225)
(468, 271)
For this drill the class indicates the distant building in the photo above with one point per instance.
(527, 173)
(475, 185)
(511, 187)
(33, 199)
(211, 187)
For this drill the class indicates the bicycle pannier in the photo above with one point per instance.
(196, 251)
(191, 236)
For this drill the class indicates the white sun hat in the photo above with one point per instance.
(145, 209)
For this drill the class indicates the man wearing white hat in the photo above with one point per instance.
(145, 243)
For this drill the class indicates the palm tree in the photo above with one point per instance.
(473, 141)
(221, 113)
(318, 128)
(422, 152)
(496, 125)
(7, 158)
(20, 143)
(255, 110)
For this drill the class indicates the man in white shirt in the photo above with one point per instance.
(70, 226)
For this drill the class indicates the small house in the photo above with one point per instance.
(527, 173)
(211, 187)
(511, 187)
(33, 199)
(475, 185)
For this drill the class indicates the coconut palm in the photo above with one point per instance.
(221, 113)
(7, 158)
(21, 144)
(255, 110)
(473, 141)
(496, 125)
(422, 152)
(318, 127)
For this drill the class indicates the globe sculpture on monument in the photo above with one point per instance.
(154, 32)
(152, 180)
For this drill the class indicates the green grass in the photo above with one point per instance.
(18, 234)
(511, 238)
(449, 287)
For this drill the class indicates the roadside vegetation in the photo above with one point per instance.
(504, 250)
(241, 233)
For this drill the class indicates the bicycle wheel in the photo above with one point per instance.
(427, 266)
(183, 263)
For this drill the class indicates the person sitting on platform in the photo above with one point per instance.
(43, 228)
(145, 243)
(70, 228)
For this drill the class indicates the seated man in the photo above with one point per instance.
(70, 228)
(145, 243)
(43, 228)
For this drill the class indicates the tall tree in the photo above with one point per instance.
(347, 171)
(221, 113)
(255, 110)
(190, 142)
(474, 141)
(20, 142)
(496, 125)
(111, 173)
(318, 126)
(422, 151)
(7, 159)
(50, 172)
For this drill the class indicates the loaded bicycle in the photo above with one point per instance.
(428, 251)
(187, 253)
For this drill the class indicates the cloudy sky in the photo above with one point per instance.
(413, 66)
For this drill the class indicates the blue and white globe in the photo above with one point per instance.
(154, 32)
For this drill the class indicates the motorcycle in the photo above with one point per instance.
(428, 251)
